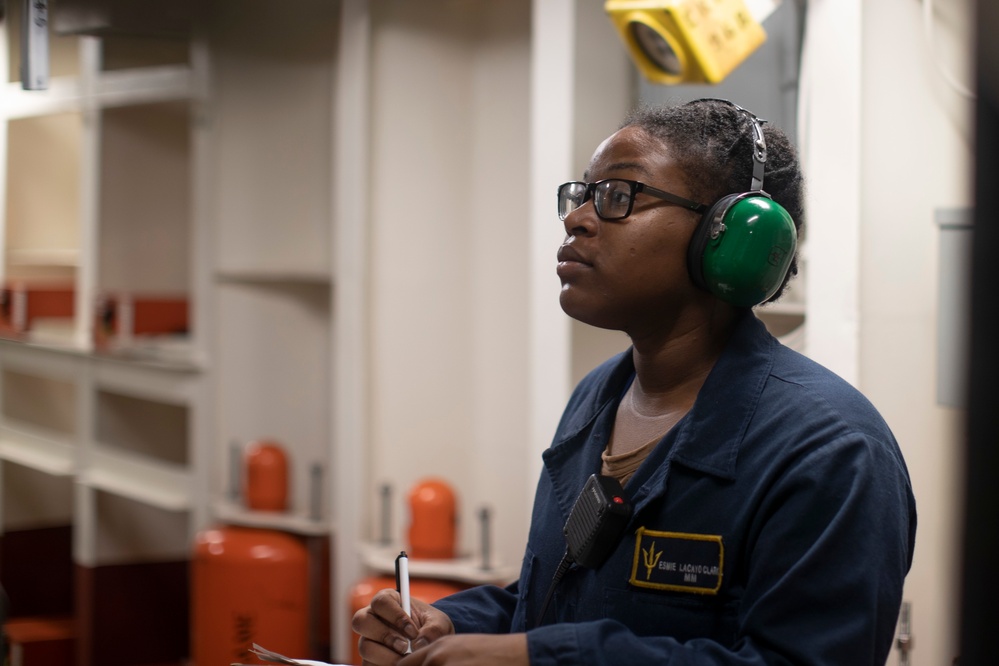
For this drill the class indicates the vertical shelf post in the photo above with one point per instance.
(89, 228)
(350, 351)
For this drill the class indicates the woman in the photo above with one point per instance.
(772, 519)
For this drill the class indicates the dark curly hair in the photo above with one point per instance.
(712, 140)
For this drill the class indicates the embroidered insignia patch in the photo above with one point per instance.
(678, 561)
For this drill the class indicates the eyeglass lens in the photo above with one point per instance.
(571, 196)
(612, 198)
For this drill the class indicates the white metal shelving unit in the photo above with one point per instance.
(96, 175)
(100, 105)
(205, 174)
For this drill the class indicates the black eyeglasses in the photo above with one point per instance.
(613, 198)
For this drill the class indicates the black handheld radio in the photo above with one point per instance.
(595, 525)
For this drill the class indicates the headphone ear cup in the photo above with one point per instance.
(744, 249)
(711, 220)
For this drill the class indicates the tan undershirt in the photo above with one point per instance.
(635, 434)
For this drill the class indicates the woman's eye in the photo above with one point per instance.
(619, 197)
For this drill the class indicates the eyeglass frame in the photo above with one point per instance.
(636, 187)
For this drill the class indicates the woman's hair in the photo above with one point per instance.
(712, 141)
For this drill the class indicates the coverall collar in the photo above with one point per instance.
(707, 439)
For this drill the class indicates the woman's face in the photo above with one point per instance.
(631, 274)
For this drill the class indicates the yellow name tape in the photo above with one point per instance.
(678, 561)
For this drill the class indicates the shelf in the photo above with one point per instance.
(55, 362)
(145, 86)
(63, 95)
(236, 276)
(154, 352)
(163, 381)
(52, 332)
(463, 569)
(62, 360)
(126, 87)
(227, 512)
(69, 257)
(159, 485)
(37, 450)
(782, 308)
(782, 323)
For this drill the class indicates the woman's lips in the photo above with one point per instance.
(570, 262)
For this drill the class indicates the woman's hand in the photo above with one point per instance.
(472, 650)
(386, 630)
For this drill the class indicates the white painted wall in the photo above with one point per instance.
(449, 278)
(887, 143)
(917, 157)
(829, 138)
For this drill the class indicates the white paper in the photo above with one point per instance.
(274, 657)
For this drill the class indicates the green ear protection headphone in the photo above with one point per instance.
(742, 247)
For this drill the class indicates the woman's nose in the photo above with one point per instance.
(582, 221)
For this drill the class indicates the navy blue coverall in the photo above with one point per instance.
(774, 524)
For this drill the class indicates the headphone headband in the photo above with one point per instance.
(759, 142)
(759, 152)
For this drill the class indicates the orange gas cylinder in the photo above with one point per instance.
(248, 586)
(266, 487)
(433, 520)
(424, 589)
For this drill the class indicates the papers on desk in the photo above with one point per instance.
(275, 658)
